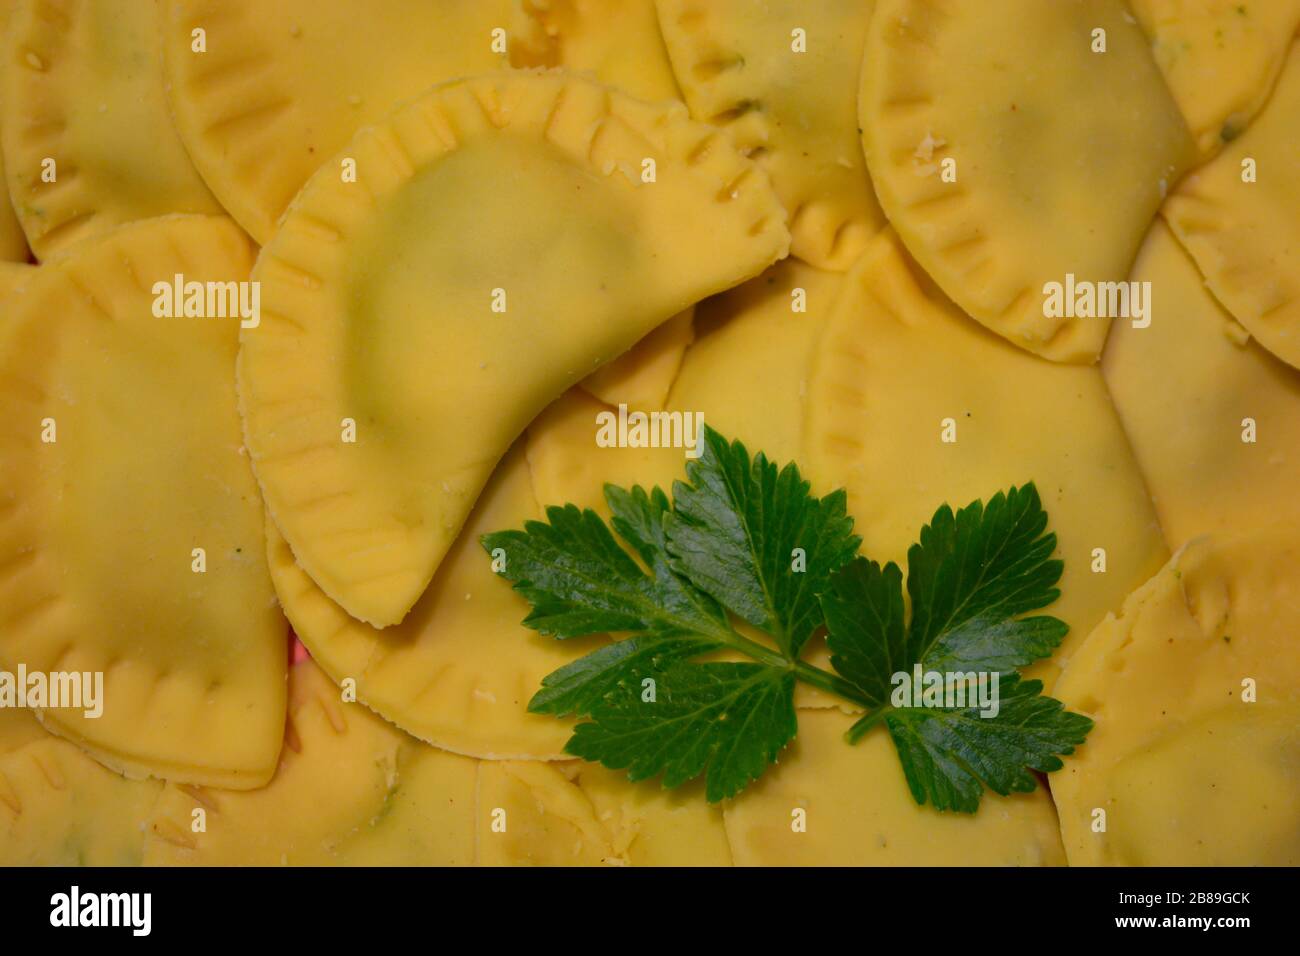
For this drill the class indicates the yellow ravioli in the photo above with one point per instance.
(641, 377)
(1244, 235)
(779, 77)
(459, 671)
(131, 537)
(1188, 389)
(350, 790)
(899, 371)
(281, 87)
(616, 40)
(831, 804)
(1220, 58)
(500, 243)
(1058, 156)
(13, 244)
(651, 826)
(1185, 770)
(88, 141)
(58, 807)
(533, 814)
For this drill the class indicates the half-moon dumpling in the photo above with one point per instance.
(1239, 217)
(88, 140)
(1195, 691)
(1020, 143)
(501, 238)
(779, 76)
(1220, 57)
(131, 538)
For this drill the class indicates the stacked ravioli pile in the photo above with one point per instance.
(442, 236)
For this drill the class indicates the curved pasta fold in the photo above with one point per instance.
(1002, 179)
(501, 239)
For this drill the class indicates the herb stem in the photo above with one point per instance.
(808, 673)
(866, 722)
(832, 683)
(760, 653)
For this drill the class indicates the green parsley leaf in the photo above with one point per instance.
(579, 687)
(950, 754)
(981, 567)
(864, 626)
(734, 532)
(580, 581)
(730, 720)
(652, 711)
(969, 577)
(729, 545)
(576, 688)
(747, 540)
